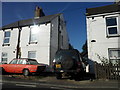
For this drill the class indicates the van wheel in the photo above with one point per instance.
(26, 72)
(59, 76)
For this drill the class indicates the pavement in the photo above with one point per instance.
(51, 83)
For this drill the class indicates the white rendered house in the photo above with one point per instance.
(103, 33)
(38, 38)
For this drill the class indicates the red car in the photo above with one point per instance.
(23, 65)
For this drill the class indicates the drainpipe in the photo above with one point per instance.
(18, 52)
(59, 33)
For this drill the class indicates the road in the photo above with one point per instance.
(51, 83)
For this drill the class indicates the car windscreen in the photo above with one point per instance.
(33, 62)
(63, 54)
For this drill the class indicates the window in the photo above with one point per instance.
(33, 62)
(4, 57)
(32, 54)
(6, 37)
(114, 54)
(20, 61)
(111, 23)
(13, 62)
(33, 34)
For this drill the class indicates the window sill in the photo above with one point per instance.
(110, 36)
(6, 45)
(33, 42)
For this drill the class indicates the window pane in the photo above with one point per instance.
(4, 59)
(13, 62)
(33, 34)
(20, 61)
(32, 54)
(6, 40)
(112, 30)
(33, 38)
(33, 62)
(7, 34)
(4, 54)
(24, 62)
(114, 54)
(111, 21)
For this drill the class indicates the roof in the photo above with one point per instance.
(29, 22)
(103, 9)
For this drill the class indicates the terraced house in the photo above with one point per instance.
(103, 33)
(37, 38)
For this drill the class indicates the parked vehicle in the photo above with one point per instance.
(69, 62)
(23, 65)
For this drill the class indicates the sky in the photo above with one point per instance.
(74, 15)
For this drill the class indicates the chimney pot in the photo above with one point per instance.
(39, 12)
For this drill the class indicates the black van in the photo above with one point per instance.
(69, 62)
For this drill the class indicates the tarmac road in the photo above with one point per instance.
(51, 83)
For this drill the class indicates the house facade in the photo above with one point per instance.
(103, 33)
(37, 38)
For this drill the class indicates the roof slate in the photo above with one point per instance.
(103, 9)
(29, 22)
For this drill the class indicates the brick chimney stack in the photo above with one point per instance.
(39, 12)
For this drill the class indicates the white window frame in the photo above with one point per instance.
(31, 34)
(30, 56)
(6, 37)
(107, 27)
(113, 49)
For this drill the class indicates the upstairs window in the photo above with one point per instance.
(7, 37)
(33, 34)
(112, 27)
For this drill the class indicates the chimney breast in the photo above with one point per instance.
(39, 12)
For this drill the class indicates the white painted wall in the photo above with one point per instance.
(11, 50)
(1, 42)
(96, 30)
(41, 48)
(46, 46)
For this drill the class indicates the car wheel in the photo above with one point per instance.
(26, 72)
(59, 76)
